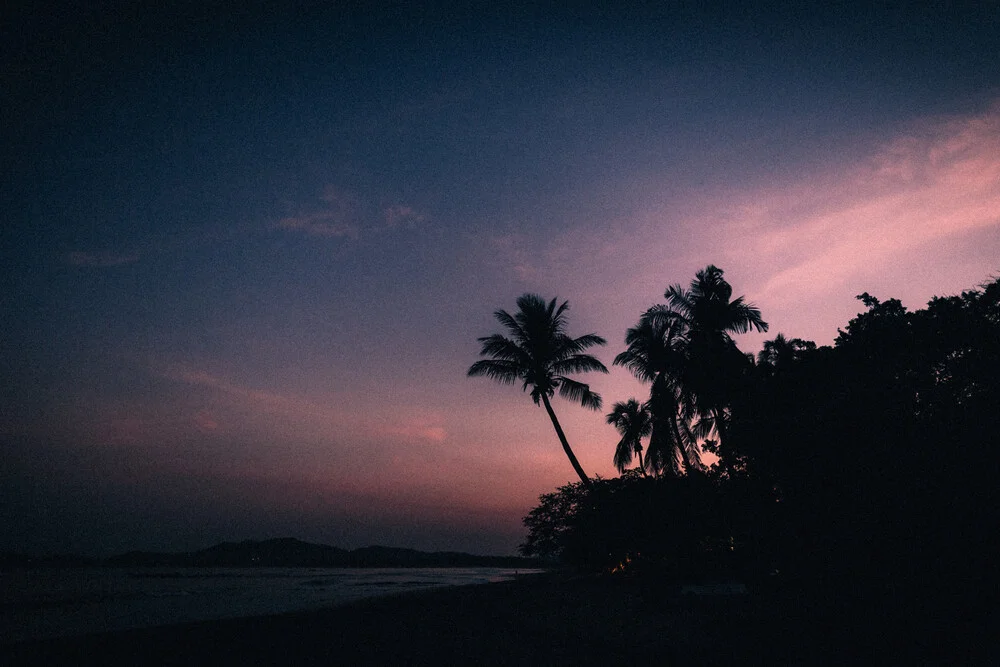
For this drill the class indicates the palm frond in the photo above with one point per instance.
(578, 363)
(500, 347)
(745, 316)
(703, 427)
(623, 454)
(663, 315)
(578, 392)
(501, 370)
(679, 301)
(512, 325)
(583, 342)
(637, 364)
(558, 315)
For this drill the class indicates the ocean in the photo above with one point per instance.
(48, 603)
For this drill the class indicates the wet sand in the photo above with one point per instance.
(537, 620)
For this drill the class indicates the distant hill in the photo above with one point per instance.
(280, 552)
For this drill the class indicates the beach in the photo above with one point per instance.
(539, 619)
(548, 619)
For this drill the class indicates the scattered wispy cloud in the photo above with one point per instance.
(206, 422)
(101, 259)
(396, 216)
(306, 414)
(323, 223)
(419, 429)
(509, 252)
(938, 182)
(918, 216)
(339, 216)
(343, 214)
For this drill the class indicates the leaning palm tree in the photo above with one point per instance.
(539, 354)
(634, 422)
(711, 316)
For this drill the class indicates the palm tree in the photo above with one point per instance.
(656, 354)
(780, 353)
(539, 354)
(714, 363)
(634, 422)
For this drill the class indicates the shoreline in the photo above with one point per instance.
(548, 618)
(46, 604)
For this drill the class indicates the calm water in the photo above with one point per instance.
(36, 604)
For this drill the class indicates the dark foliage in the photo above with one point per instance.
(861, 477)
(883, 449)
(686, 529)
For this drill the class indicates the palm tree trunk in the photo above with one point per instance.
(642, 466)
(565, 444)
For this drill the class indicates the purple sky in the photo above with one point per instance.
(246, 257)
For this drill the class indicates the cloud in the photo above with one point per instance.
(339, 217)
(206, 422)
(325, 223)
(396, 216)
(101, 259)
(257, 399)
(915, 215)
(939, 182)
(420, 429)
(344, 215)
(510, 252)
(304, 415)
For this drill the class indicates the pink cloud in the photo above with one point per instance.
(429, 430)
(206, 422)
(940, 182)
(918, 215)
(309, 417)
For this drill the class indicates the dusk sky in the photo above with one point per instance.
(246, 256)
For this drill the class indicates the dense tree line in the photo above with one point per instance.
(869, 465)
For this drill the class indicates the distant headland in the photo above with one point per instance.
(278, 552)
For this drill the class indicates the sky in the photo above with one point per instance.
(246, 253)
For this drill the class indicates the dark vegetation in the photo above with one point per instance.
(858, 479)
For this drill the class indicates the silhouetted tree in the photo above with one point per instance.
(883, 455)
(685, 528)
(862, 477)
(714, 364)
(781, 352)
(656, 354)
(539, 354)
(634, 422)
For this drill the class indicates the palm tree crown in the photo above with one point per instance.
(782, 352)
(634, 422)
(713, 362)
(707, 309)
(538, 353)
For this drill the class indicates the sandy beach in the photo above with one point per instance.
(539, 620)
